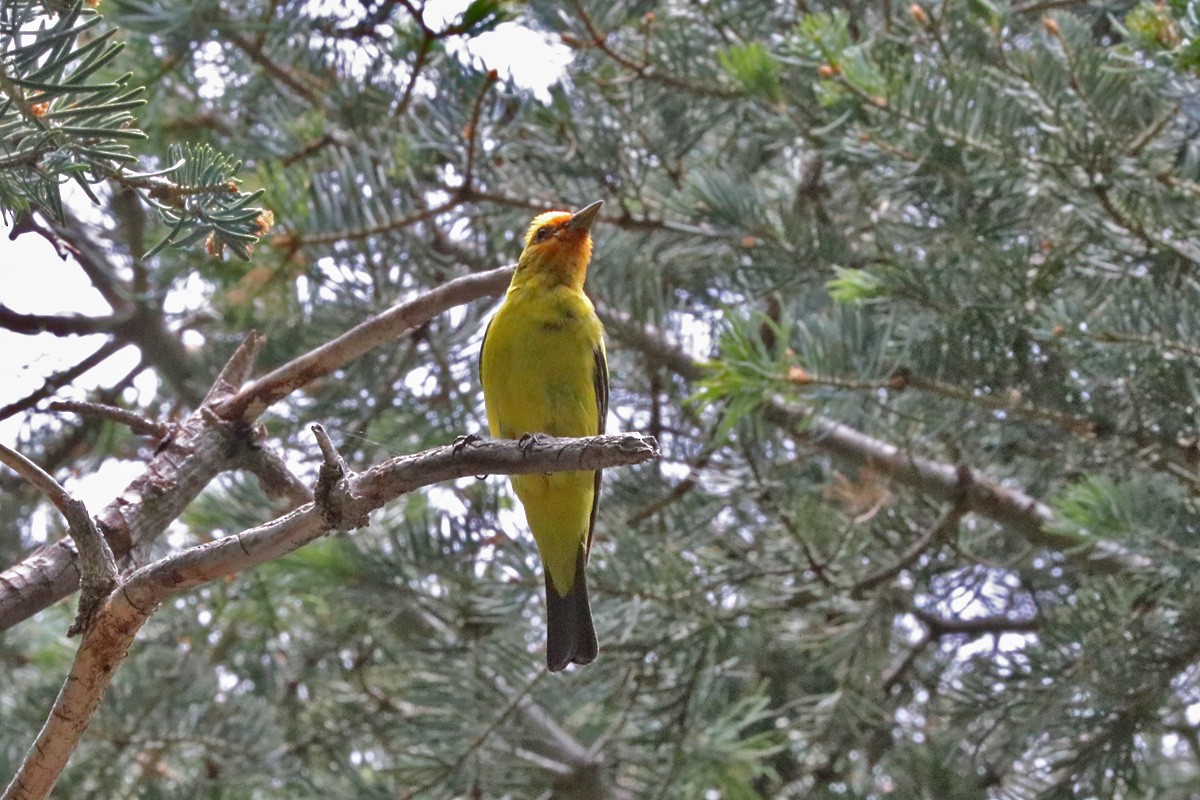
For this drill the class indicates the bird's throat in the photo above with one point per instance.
(554, 264)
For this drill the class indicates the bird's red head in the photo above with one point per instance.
(558, 246)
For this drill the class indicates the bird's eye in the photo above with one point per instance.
(543, 234)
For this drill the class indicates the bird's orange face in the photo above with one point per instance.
(558, 246)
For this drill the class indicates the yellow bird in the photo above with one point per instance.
(544, 370)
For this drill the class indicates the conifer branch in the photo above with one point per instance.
(390, 226)
(513, 704)
(1010, 507)
(647, 71)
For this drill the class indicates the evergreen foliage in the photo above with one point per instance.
(968, 229)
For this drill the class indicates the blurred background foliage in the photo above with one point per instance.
(967, 228)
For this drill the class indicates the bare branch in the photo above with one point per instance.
(237, 369)
(255, 398)
(334, 497)
(974, 626)
(195, 453)
(107, 642)
(135, 422)
(60, 379)
(40, 479)
(99, 568)
(937, 532)
(57, 324)
(275, 478)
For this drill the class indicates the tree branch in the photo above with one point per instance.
(57, 324)
(276, 480)
(198, 451)
(183, 465)
(99, 568)
(47, 575)
(936, 533)
(255, 398)
(135, 422)
(59, 379)
(974, 626)
(134, 320)
(107, 642)
(93, 260)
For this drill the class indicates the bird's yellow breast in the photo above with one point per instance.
(539, 363)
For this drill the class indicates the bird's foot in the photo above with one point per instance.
(463, 442)
(529, 441)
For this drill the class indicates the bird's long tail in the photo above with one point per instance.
(570, 635)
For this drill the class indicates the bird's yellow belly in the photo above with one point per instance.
(541, 375)
(539, 370)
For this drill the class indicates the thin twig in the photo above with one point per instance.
(135, 422)
(938, 531)
(473, 128)
(333, 237)
(305, 86)
(59, 379)
(1037, 6)
(678, 491)
(974, 626)
(625, 221)
(893, 675)
(427, 40)
(59, 325)
(479, 740)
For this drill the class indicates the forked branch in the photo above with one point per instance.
(126, 609)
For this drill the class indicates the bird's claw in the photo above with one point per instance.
(463, 442)
(528, 441)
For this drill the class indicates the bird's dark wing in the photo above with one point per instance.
(600, 382)
(482, 345)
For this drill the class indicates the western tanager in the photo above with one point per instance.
(544, 370)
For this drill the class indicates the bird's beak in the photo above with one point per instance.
(582, 219)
